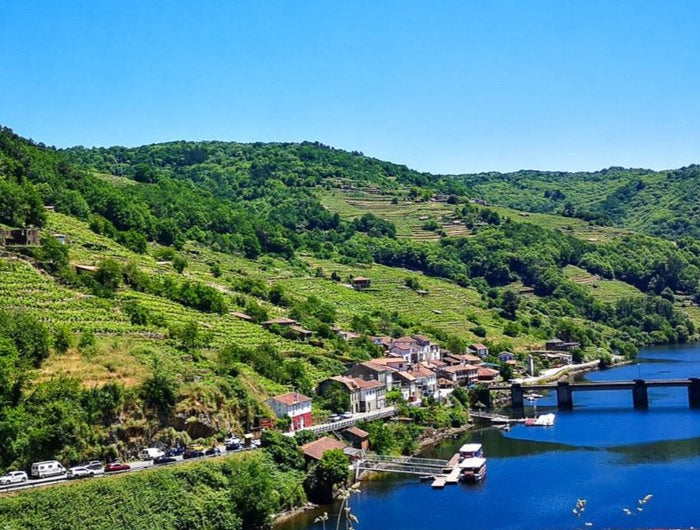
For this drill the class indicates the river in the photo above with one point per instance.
(602, 451)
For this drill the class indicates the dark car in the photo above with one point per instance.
(95, 465)
(212, 451)
(175, 451)
(164, 459)
(234, 446)
(192, 453)
(116, 466)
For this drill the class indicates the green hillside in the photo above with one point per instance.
(134, 330)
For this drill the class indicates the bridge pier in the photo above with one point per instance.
(516, 397)
(694, 393)
(565, 400)
(640, 397)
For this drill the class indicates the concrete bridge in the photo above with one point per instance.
(565, 391)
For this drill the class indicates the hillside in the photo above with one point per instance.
(147, 324)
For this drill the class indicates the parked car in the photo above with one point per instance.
(346, 415)
(234, 446)
(175, 451)
(334, 417)
(192, 453)
(47, 468)
(13, 477)
(212, 451)
(164, 460)
(79, 472)
(230, 440)
(116, 466)
(94, 465)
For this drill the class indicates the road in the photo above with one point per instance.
(136, 466)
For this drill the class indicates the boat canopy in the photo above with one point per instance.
(470, 448)
(472, 463)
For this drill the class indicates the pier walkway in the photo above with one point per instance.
(409, 465)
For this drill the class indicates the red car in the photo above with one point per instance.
(116, 466)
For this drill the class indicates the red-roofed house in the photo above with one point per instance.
(294, 406)
(461, 374)
(479, 349)
(365, 396)
(315, 450)
(486, 374)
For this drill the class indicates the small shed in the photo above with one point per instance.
(357, 437)
(361, 282)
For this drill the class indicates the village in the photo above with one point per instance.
(412, 368)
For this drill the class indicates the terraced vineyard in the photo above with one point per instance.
(408, 217)
(445, 306)
(22, 286)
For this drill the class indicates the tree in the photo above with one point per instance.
(335, 398)
(159, 393)
(53, 255)
(283, 450)
(109, 274)
(62, 339)
(510, 304)
(331, 472)
(179, 264)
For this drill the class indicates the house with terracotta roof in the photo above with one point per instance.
(316, 449)
(486, 375)
(384, 341)
(357, 437)
(365, 396)
(479, 349)
(295, 406)
(415, 349)
(373, 371)
(406, 383)
(460, 374)
(426, 378)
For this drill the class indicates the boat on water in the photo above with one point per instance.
(532, 396)
(470, 451)
(543, 420)
(472, 469)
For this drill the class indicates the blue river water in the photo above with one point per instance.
(603, 451)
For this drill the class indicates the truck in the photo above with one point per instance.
(48, 468)
(151, 453)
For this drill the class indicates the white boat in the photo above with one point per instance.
(472, 469)
(543, 420)
(471, 450)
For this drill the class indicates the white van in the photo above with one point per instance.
(49, 468)
(151, 453)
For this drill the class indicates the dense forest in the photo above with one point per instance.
(182, 234)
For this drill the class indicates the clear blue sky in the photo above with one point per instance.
(446, 87)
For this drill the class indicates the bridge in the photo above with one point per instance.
(331, 426)
(565, 390)
(407, 465)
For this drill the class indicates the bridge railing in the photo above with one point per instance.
(349, 422)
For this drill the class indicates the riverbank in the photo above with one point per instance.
(286, 515)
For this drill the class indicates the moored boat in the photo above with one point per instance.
(471, 450)
(472, 469)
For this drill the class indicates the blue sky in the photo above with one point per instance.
(446, 87)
